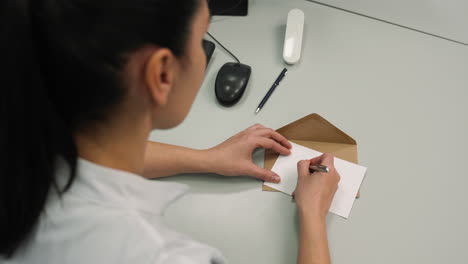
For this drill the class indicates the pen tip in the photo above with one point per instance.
(256, 111)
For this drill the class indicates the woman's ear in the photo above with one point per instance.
(159, 75)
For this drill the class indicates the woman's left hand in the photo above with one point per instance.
(233, 157)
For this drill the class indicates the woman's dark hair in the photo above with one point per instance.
(62, 63)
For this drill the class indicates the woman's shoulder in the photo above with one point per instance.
(106, 236)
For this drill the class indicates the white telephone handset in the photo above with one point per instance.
(293, 39)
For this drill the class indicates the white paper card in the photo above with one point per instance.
(351, 178)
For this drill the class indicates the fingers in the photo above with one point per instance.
(303, 168)
(316, 161)
(275, 141)
(326, 159)
(270, 133)
(268, 143)
(254, 127)
(263, 174)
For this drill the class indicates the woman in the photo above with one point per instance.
(86, 82)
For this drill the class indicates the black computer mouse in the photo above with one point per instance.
(231, 82)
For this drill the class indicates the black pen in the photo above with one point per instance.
(272, 89)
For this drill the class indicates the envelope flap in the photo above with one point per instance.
(314, 132)
(315, 128)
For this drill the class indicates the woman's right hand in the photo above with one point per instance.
(315, 191)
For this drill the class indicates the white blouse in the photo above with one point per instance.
(111, 216)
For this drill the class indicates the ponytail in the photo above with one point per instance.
(32, 135)
(63, 65)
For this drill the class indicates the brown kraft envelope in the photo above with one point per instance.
(314, 132)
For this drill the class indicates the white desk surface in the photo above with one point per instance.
(401, 95)
(448, 18)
